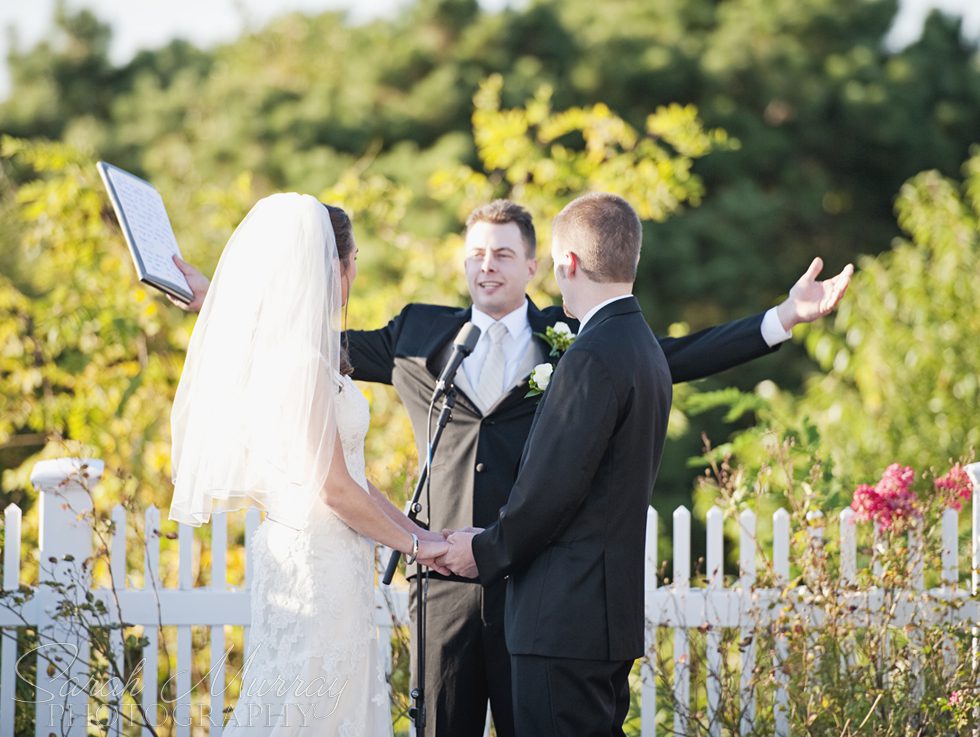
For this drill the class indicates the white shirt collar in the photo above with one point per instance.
(591, 313)
(515, 321)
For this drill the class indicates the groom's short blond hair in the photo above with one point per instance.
(604, 232)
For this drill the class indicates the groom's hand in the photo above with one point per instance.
(459, 559)
(196, 281)
(810, 299)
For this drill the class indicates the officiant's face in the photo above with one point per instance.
(497, 267)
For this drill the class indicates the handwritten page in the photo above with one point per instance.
(146, 225)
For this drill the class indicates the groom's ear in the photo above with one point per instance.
(571, 265)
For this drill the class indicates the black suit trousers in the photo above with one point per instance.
(466, 659)
(565, 697)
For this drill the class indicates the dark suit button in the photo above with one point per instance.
(480, 467)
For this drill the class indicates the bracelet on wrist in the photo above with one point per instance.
(415, 549)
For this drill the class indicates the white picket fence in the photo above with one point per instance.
(64, 531)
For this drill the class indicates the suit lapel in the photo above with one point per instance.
(439, 348)
(466, 389)
(539, 322)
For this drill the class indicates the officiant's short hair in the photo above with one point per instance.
(605, 233)
(501, 212)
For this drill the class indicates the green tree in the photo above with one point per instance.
(65, 78)
(898, 381)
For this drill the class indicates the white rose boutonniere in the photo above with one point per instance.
(559, 336)
(540, 378)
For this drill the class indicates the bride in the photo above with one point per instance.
(266, 415)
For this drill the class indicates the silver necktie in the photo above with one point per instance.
(491, 383)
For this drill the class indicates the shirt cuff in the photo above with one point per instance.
(773, 331)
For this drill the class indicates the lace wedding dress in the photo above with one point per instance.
(315, 665)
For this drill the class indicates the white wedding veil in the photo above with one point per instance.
(254, 418)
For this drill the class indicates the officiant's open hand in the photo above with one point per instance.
(459, 559)
(196, 281)
(810, 299)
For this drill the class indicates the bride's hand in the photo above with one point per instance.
(430, 551)
(429, 536)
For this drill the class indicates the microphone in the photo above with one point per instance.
(463, 346)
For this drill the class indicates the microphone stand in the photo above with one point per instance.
(417, 712)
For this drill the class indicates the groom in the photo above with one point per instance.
(570, 540)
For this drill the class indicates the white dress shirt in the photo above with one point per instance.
(772, 329)
(591, 313)
(514, 344)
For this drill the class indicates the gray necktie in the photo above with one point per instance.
(491, 383)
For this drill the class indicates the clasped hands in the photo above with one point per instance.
(449, 552)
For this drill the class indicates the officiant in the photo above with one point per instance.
(467, 663)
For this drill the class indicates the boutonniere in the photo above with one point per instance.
(559, 336)
(540, 378)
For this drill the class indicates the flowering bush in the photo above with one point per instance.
(867, 636)
(890, 501)
(893, 502)
(954, 487)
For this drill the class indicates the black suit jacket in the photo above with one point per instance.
(477, 460)
(571, 537)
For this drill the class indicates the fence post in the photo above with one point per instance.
(716, 579)
(648, 671)
(8, 637)
(681, 588)
(65, 543)
(973, 471)
(748, 613)
(780, 560)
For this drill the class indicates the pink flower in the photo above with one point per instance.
(890, 500)
(866, 502)
(955, 698)
(955, 487)
(896, 481)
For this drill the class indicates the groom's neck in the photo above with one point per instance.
(594, 294)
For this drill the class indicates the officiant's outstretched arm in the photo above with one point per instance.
(808, 300)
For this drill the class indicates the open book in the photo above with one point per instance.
(146, 226)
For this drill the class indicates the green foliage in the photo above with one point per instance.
(898, 381)
(823, 122)
(900, 357)
(87, 355)
(891, 662)
(543, 158)
(90, 358)
(830, 122)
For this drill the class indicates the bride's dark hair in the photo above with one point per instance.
(343, 231)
